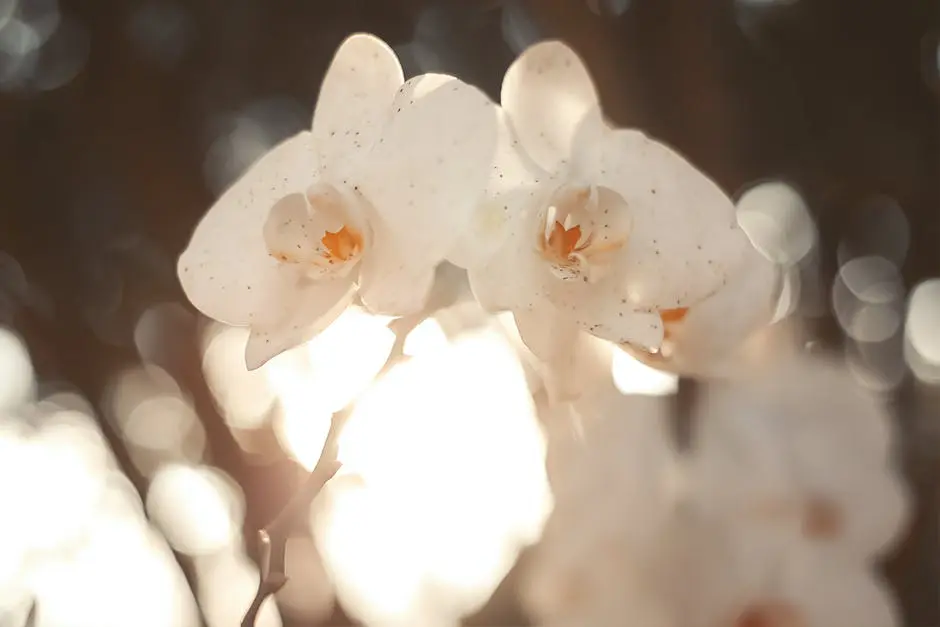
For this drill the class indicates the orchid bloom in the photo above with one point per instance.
(586, 228)
(369, 201)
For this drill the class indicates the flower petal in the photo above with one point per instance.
(430, 167)
(834, 595)
(391, 283)
(599, 310)
(357, 91)
(569, 363)
(547, 92)
(512, 179)
(707, 340)
(315, 307)
(685, 241)
(512, 277)
(225, 270)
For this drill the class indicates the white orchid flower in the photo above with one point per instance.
(706, 339)
(369, 201)
(590, 228)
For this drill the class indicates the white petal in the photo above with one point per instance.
(602, 311)
(547, 92)
(685, 241)
(390, 282)
(513, 277)
(352, 107)
(836, 596)
(226, 271)
(564, 351)
(491, 225)
(289, 231)
(707, 340)
(431, 165)
(877, 512)
(512, 180)
(315, 307)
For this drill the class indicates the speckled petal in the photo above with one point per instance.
(547, 92)
(226, 270)
(430, 167)
(513, 180)
(352, 107)
(315, 307)
(707, 340)
(392, 281)
(685, 240)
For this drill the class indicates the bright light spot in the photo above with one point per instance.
(427, 337)
(121, 575)
(867, 299)
(16, 371)
(923, 320)
(162, 423)
(43, 15)
(345, 358)
(877, 228)
(923, 331)
(242, 138)
(451, 458)
(303, 433)
(876, 366)
(777, 220)
(227, 583)
(13, 455)
(244, 397)
(325, 376)
(63, 56)
(196, 508)
(634, 377)
(134, 386)
(61, 475)
(159, 322)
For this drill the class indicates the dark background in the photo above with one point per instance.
(104, 139)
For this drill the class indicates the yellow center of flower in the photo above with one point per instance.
(342, 245)
(822, 519)
(562, 242)
(670, 318)
(580, 231)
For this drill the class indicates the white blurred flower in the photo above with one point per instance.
(370, 199)
(803, 449)
(772, 519)
(589, 228)
(615, 489)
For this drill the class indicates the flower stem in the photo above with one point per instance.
(273, 538)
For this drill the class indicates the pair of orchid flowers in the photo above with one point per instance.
(574, 226)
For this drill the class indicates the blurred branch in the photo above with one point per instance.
(273, 537)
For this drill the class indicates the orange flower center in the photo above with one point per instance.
(671, 317)
(341, 245)
(822, 519)
(562, 242)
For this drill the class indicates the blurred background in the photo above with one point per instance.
(138, 457)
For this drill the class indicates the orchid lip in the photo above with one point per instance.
(575, 234)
